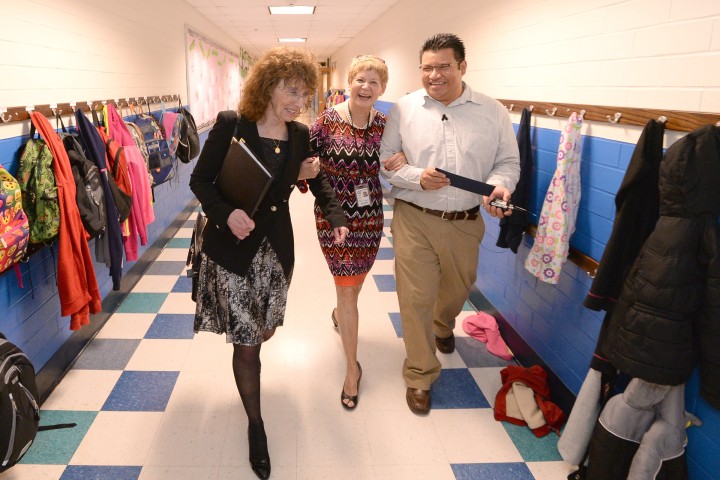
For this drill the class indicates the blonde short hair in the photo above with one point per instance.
(290, 65)
(369, 62)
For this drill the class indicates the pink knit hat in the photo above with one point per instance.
(484, 327)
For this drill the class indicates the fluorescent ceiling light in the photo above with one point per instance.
(292, 10)
(292, 40)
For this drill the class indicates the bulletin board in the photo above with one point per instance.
(214, 78)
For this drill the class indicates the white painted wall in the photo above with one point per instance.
(662, 54)
(59, 51)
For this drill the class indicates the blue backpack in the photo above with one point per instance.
(160, 163)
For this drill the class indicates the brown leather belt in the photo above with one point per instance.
(471, 214)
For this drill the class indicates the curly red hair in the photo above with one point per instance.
(292, 66)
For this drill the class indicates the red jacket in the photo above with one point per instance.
(77, 285)
(536, 379)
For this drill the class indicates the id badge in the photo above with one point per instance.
(362, 193)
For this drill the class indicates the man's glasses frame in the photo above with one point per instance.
(442, 68)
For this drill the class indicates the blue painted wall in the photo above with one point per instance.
(551, 318)
(31, 315)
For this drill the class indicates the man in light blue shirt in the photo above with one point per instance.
(437, 228)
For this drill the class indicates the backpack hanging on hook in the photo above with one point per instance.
(189, 146)
(39, 189)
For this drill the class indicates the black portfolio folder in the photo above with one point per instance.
(243, 179)
(465, 183)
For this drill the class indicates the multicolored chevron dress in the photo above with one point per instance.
(349, 157)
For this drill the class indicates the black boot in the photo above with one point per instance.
(259, 456)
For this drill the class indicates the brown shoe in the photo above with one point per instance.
(445, 345)
(418, 400)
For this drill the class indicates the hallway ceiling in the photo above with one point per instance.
(334, 23)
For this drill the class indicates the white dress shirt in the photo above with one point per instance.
(472, 137)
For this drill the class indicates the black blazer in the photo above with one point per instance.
(272, 219)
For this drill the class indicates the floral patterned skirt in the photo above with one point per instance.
(242, 306)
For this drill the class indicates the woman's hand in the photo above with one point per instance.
(396, 162)
(240, 224)
(309, 168)
(340, 233)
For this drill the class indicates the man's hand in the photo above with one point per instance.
(240, 224)
(430, 179)
(503, 194)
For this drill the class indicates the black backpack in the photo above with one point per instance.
(189, 146)
(19, 409)
(89, 192)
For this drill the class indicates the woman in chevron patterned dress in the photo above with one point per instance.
(347, 139)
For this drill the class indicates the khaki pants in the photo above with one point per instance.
(435, 267)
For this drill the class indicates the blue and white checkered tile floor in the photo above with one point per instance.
(154, 401)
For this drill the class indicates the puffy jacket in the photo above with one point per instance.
(667, 319)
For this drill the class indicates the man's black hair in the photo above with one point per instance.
(442, 41)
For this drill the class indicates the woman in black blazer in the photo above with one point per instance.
(247, 263)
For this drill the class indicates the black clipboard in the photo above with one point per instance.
(468, 184)
(243, 179)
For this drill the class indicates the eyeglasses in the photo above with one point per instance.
(442, 68)
(295, 96)
(373, 57)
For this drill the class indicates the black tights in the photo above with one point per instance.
(246, 368)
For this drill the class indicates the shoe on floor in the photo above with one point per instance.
(345, 398)
(418, 400)
(445, 345)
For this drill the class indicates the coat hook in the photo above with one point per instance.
(582, 114)
(3, 118)
(510, 108)
(662, 119)
(615, 118)
(531, 108)
(551, 112)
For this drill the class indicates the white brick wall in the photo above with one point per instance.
(58, 51)
(662, 54)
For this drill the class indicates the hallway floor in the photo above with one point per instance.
(154, 401)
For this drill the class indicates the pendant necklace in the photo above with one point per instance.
(277, 146)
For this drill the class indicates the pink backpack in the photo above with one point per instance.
(14, 226)
(172, 124)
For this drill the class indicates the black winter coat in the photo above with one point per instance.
(667, 319)
(272, 219)
(637, 207)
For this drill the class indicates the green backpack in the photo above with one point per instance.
(39, 190)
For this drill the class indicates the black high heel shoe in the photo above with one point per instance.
(259, 456)
(344, 397)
